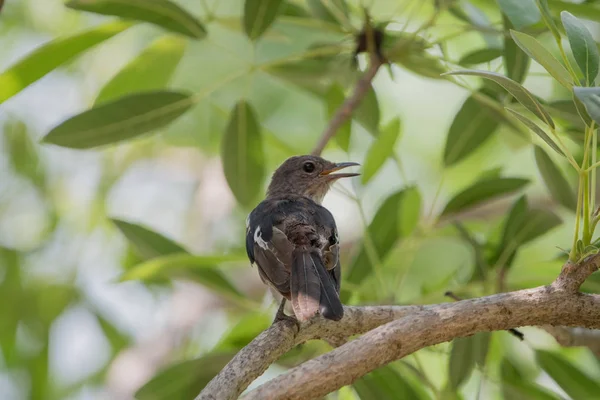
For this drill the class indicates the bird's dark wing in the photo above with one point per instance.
(269, 248)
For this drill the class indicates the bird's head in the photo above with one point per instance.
(309, 176)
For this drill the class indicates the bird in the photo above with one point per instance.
(294, 240)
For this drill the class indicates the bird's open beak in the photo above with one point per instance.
(337, 167)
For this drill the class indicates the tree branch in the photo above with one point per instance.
(344, 112)
(396, 331)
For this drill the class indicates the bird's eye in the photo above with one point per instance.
(308, 167)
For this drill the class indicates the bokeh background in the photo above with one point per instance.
(72, 222)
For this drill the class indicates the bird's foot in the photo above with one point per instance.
(282, 316)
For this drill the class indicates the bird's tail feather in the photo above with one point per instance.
(312, 288)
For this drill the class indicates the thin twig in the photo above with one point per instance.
(344, 112)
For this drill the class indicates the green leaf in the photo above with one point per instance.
(521, 13)
(385, 383)
(537, 130)
(311, 75)
(259, 15)
(590, 97)
(148, 244)
(523, 95)
(480, 56)
(571, 379)
(203, 269)
(584, 10)
(514, 387)
(184, 380)
(323, 10)
(396, 218)
(557, 184)
(242, 154)
(163, 13)
(548, 19)
(51, 55)
(461, 361)
(367, 113)
(516, 61)
(472, 126)
(151, 70)
(381, 149)
(538, 52)
(583, 46)
(581, 111)
(334, 98)
(483, 191)
(244, 331)
(120, 120)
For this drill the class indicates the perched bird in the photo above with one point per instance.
(294, 241)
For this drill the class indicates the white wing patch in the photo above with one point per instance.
(259, 240)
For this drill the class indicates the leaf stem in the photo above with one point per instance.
(573, 253)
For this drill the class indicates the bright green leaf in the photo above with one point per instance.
(472, 126)
(523, 95)
(542, 56)
(557, 184)
(202, 269)
(184, 380)
(245, 330)
(336, 11)
(516, 61)
(381, 149)
(335, 97)
(483, 191)
(515, 387)
(537, 130)
(163, 13)
(259, 15)
(148, 244)
(51, 55)
(151, 70)
(583, 46)
(120, 120)
(571, 379)
(590, 97)
(396, 218)
(480, 56)
(367, 113)
(242, 154)
(584, 9)
(522, 13)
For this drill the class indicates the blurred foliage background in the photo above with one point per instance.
(122, 268)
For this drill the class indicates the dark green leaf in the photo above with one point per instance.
(557, 184)
(461, 361)
(22, 153)
(583, 46)
(151, 70)
(385, 383)
(311, 75)
(323, 10)
(259, 15)
(422, 64)
(583, 10)
(571, 379)
(519, 92)
(480, 262)
(483, 191)
(539, 53)
(582, 111)
(335, 97)
(590, 97)
(516, 61)
(242, 154)
(184, 380)
(472, 126)
(537, 130)
(244, 331)
(480, 56)
(120, 120)
(381, 149)
(117, 339)
(367, 113)
(548, 19)
(396, 218)
(163, 13)
(147, 243)
(514, 387)
(51, 55)
(522, 13)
